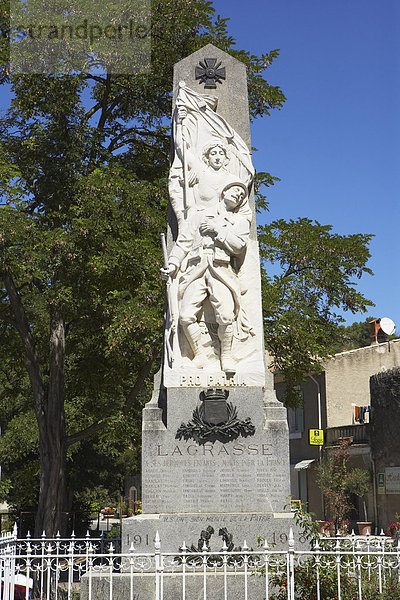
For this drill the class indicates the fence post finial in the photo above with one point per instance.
(291, 539)
(157, 541)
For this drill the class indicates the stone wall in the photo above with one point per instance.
(385, 447)
(347, 378)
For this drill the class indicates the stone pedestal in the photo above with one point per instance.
(243, 474)
(240, 484)
(215, 448)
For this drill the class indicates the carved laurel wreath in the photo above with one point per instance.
(197, 429)
(214, 560)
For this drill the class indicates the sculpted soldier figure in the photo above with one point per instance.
(206, 259)
(210, 178)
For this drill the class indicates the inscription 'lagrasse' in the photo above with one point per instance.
(221, 450)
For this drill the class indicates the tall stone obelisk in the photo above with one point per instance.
(215, 439)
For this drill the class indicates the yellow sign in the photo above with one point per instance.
(316, 437)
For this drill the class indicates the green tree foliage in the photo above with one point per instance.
(357, 335)
(84, 161)
(316, 270)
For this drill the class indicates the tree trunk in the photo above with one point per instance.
(51, 422)
(52, 484)
(49, 409)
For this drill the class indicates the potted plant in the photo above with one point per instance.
(359, 484)
(108, 511)
(331, 477)
(337, 481)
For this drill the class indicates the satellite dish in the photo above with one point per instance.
(387, 326)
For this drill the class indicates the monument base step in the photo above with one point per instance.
(143, 586)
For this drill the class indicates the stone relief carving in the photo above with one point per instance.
(209, 183)
(215, 419)
(210, 72)
(208, 153)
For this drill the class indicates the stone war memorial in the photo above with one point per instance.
(215, 452)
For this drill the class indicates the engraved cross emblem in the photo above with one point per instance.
(210, 72)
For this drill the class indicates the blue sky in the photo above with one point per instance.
(336, 143)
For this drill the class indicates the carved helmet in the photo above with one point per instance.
(236, 183)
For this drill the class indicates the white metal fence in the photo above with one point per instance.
(64, 569)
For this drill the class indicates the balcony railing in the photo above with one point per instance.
(359, 433)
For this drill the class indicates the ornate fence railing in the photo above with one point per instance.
(67, 569)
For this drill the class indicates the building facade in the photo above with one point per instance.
(338, 401)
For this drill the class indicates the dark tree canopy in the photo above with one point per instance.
(84, 161)
(83, 188)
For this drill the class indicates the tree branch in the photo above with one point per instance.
(70, 324)
(85, 433)
(56, 372)
(295, 271)
(124, 143)
(95, 78)
(38, 283)
(100, 425)
(104, 108)
(23, 328)
(137, 388)
(102, 119)
(91, 112)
